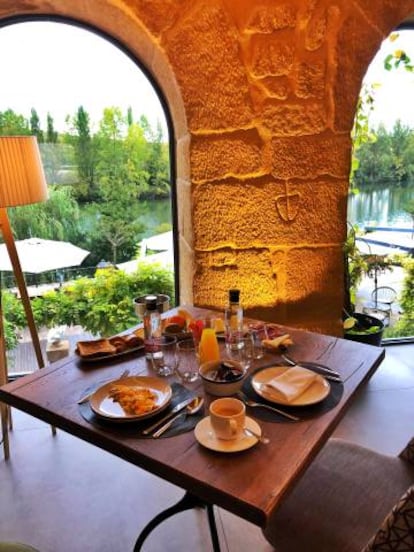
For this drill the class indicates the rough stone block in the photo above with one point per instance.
(269, 214)
(275, 87)
(387, 14)
(294, 119)
(318, 289)
(270, 56)
(310, 79)
(157, 15)
(311, 156)
(249, 270)
(214, 157)
(262, 16)
(205, 54)
(351, 66)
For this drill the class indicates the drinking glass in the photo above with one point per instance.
(187, 361)
(242, 349)
(257, 337)
(164, 355)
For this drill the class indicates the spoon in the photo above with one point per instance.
(258, 436)
(192, 408)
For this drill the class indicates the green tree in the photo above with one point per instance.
(13, 124)
(35, 126)
(121, 155)
(55, 219)
(157, 166)
(82, 141)
(51, 134)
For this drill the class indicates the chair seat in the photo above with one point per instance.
(341, 500)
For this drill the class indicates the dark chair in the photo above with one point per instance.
(350, 499)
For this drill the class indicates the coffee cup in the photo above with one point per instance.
(227, 418)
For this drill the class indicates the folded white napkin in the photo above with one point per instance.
(292, 383)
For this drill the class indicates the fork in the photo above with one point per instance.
(254, 404)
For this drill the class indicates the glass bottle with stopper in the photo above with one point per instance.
(152, 325)
(233, 319)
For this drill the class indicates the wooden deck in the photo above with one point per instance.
(22, 359)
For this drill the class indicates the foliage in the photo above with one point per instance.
(13, 124)
(355, 267)
(410, 210)
(103, 304)
(405, 323)
(361, 132)
(56, 219)
(14, 318)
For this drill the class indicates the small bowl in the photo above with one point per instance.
(221, 387)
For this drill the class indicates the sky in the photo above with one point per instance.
(394, 98)
(55, 68)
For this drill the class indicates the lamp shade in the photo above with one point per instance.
(22, 179)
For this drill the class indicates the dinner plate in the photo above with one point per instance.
(205, 436)
(110, 356)
(103, 406)
(316, 392)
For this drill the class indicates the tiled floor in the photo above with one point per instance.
(63, 495)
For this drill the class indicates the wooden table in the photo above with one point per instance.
(251, 483)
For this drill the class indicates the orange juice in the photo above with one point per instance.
(209, 348)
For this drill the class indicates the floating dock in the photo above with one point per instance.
(383, 240)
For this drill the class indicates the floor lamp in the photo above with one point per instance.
(22, 182)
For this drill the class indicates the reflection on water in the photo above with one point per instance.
(382, 206)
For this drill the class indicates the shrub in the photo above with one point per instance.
(101, 305)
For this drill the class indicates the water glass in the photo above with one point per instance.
(164, 355)
(241, 349)
(257, 338)
(187, 361)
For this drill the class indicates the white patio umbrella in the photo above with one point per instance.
(37, 255)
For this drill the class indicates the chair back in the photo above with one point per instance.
(384, 294)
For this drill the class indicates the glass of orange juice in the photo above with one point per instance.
(208, 347)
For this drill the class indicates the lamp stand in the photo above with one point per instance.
(3, 380)
(21, 284)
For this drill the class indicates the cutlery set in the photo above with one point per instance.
(193, 405)
(190, 406)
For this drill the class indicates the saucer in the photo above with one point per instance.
(206, 437)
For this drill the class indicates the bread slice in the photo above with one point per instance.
(95, 348)
(278, 342)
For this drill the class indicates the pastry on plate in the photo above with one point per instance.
(96, 348)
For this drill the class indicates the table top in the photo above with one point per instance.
(249, 483)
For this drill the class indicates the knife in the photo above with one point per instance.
(327, 373)
(177, 408)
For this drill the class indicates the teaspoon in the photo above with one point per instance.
(192, 408)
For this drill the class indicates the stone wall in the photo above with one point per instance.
(262, 96)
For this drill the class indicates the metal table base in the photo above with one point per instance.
(188, 502)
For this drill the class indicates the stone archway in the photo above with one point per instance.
(262, 94)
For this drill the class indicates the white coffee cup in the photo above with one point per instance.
(227, 418)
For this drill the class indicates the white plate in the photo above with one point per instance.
(316, 392)
(205, 436)
(103, 406)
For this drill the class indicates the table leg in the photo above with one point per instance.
(188, 502)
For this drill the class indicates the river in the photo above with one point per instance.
(383, 206)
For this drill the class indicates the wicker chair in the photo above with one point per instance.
(350, 499)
